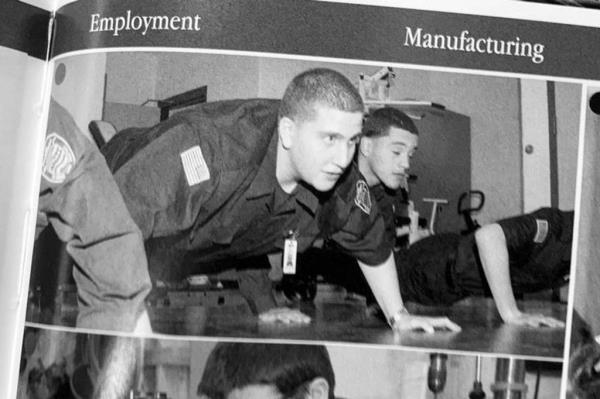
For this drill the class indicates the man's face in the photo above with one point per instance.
(322, 147)
(389, 157)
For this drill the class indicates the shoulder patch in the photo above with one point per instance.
(194, 166)
(59, 159)
(363, 197)
(541, 231)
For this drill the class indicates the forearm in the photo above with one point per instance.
(117, 377)
(112, 283)
(493, 252)
(383, 281)
(256, 287)
(111, 271)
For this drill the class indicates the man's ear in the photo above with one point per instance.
(365, 146)
(286, 131)
(318, 389)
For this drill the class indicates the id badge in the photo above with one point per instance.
(290, 249)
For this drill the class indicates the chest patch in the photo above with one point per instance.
(363, 197)
(541, 231)
(194, 166)
(59, 159)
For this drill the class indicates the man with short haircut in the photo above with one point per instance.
(526, 253)
(521, 254)
(358, 220)
(267, 371)
(236, 179)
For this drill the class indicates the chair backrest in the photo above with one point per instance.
(101, 131)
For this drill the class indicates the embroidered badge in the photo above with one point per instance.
(541, 231)
(59, 159)
(194, 166)
(363, 197)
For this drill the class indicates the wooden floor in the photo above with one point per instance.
(346, 321)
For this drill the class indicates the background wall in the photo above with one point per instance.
(81, 91)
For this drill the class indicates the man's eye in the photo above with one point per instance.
(330, 138)
(354, 140)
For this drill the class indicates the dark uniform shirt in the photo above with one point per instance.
(202, 187)
(79, 197)
(539, 248)
(358, 219)
(444, 268)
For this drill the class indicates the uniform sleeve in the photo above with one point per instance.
(165, 184)
(80, 199)
(519, 231)
(366, 233)
(533, 228)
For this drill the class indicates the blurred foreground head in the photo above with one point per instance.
(267, 371)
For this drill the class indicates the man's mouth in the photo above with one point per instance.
(333, 175)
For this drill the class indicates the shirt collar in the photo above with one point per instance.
(265, 180)
(265, 184)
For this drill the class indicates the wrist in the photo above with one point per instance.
(396, 317)
(509, 315)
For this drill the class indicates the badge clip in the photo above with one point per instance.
(290, 250)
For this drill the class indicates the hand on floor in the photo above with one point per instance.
(407, 322)
(534, 320)
(284, 315)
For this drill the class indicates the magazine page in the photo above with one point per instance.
(584, 347)
(393, 189)
(23, 50)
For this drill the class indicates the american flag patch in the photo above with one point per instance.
(59, 159)
(541, 232)
(194, 166)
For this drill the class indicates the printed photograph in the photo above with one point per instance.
(225, 195)
(59, 364)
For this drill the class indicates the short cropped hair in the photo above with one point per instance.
(319, 86)
(290, 368)
(379, 121)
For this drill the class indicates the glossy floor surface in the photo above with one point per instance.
(346, 321)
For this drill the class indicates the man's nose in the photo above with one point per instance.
(343, 154)
(403, 163)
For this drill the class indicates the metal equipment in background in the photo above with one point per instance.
(510, 379)
(437, 373)
(178, 101)
(477, 392)
(147, 395)
(469, 202)
(435, 208)
(376, 86)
